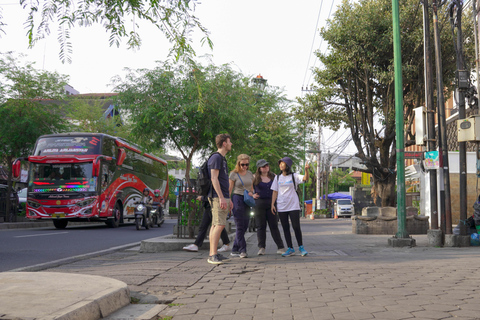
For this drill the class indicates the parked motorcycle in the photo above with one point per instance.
(156, 214)
(142, 215)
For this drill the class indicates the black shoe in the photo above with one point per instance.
(214, 260)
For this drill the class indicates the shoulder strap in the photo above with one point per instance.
(213, 154)
(293, 178)
(240, 180)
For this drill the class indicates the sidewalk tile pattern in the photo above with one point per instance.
(344, 276)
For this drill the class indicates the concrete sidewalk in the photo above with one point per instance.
(345, 276)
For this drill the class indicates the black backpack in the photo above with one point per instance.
(204, 181)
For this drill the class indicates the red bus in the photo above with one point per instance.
(89, 177)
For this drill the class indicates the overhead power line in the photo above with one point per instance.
(313, 42)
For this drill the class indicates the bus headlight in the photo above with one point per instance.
(33, 204)
(85, 203)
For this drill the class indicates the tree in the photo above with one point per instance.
(88, 115)
(175, 19)
(23, 116)
(184, 107)
(356, 82)
(339, 180)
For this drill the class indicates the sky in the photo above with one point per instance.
(276, 39)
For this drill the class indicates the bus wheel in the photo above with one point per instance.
(60, 224)
(115, 222)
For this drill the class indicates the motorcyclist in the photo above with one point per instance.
(157, 197)
(146, 199)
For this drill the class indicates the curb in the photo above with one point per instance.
(69, 296)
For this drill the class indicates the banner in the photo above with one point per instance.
(431, 161)
(365, 178)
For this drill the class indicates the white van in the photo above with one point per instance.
(344, 208)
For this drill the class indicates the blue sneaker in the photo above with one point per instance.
(303, 251)
(289, 252)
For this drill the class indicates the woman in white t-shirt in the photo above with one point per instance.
(288, 205)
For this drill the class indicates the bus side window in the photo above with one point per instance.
(104, 181)
(104, 176)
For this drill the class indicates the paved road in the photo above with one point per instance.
(26, 247)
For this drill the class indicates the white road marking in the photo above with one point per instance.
(39, 235)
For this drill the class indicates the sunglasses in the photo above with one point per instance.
(245, 164)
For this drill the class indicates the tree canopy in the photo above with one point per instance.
(183, 107)
(175, 19)
(355, 85)
(24, 116)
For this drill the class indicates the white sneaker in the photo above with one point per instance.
(261, 252)
(243, 255)
(191, 248)
(281, 251)
(224, 248)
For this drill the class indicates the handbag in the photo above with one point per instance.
(248, 199)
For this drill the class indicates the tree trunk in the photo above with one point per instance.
(10, 213)
(385, 189)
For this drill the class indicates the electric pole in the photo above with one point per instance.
(430, 114)
(445, 200)
(462, 84)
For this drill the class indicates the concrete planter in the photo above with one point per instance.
(323, 216)
(185, 231)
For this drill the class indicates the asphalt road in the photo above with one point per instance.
(20, 248)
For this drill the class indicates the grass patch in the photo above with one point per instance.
(134, 300)
(175, 304)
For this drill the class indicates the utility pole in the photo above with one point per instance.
(319, 195)
(327, 171)
(401, 237)
(321, 177)
(462, 85)
(430, 114)
(475, 34)
(445, 200)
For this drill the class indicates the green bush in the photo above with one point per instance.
(173, 210)
(322, 211)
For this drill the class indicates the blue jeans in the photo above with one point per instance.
(241, 215)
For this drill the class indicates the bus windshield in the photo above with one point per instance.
(67, 145)
(65, 177)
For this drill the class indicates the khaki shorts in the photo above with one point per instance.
(219, 216)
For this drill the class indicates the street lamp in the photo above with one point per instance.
(260, 83)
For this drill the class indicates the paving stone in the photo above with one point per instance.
(345, 276)
(431, 314)
(396, 315)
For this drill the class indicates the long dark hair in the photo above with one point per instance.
(258, 176)
(288, 170)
